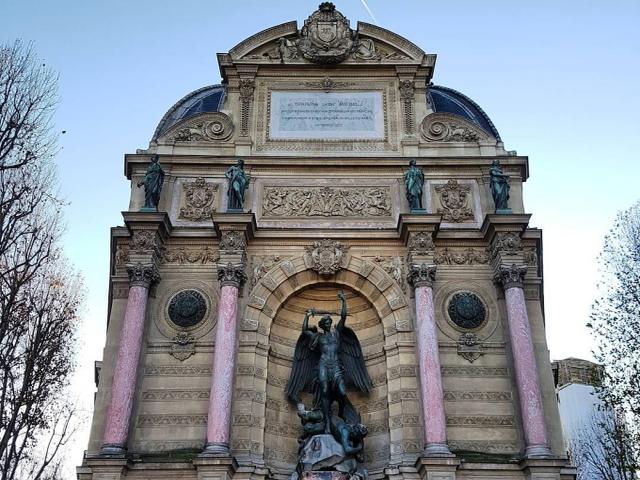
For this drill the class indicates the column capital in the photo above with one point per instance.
(142, 274)
(231, 274)
(511, 276)
(421, 275)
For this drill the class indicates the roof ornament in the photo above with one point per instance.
(326, 36)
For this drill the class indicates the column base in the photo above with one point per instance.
(538, 451)
(434, 468)
(113, 450)
(437, 450)
(215, 449)
(215, 467)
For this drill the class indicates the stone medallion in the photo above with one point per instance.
(467, 311)
(187, 308)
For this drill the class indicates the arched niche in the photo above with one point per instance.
(282, 426)
(259, 357)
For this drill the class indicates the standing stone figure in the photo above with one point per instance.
(152, 181)
(238, 181)
(414, 182)
(499, 188)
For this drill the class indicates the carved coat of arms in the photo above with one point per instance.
(326, 36)
(199, 200)
(327, 256)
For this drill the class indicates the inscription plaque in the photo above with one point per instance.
(326, 116)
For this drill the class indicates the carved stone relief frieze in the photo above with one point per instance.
(142, 241)
(455, 202)
(185, 255)
(290, 201)
(457, 256)
(232, 241)
(200, 200)
(327, 256)
(447, 127)
(506, 243)
(420, 242)
(261, 265)
(206, 127)
(395, 267)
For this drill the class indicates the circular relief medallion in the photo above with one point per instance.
(466, 310)
(187, 308)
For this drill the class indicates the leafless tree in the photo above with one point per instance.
(615, 319)
(602, 449)
(39, 294)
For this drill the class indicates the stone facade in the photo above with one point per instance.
(215, 299)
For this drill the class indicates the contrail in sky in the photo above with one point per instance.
(366, 6)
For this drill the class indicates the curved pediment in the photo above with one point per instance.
(327, 38)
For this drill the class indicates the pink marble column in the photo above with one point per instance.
(422, 277)
(124, 375)
(526, 370)
(224, 361)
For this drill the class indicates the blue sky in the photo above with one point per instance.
(558, 78)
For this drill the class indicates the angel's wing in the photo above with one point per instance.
(303, 371)
(355, 370)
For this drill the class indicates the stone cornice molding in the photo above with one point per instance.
(143, 275)
(231, 274)
(511, 276)
(422, 275)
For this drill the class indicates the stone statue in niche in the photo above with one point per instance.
(238, 181)
(499, 183)
(324, 363)
(152, 181)
(414, 183)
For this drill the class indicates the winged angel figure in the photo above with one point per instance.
(325, 363)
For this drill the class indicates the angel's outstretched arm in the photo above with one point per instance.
(343, 311)
(305, 323)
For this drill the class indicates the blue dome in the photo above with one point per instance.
(207, 99)
(448, 100)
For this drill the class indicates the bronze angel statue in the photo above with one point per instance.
(325, 363)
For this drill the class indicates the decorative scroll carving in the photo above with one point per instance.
(200, 200)
(454, 198)
(231, 274)
(184, 255)
(232, 241)
(491, 446)
(327, 256)
(512, 277)
(395, 267)
(420, 242)
(142, 241)
(247, 87)
(143, 275)
(422, 275)
(207, 127)
(506, 243)
(447, 127)
(326, 202)
(326, 36)
(469, 346)
(407, 88)
(468, 256)
(183, 346)
(480, 420)
(477, 396)
(260, 266)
